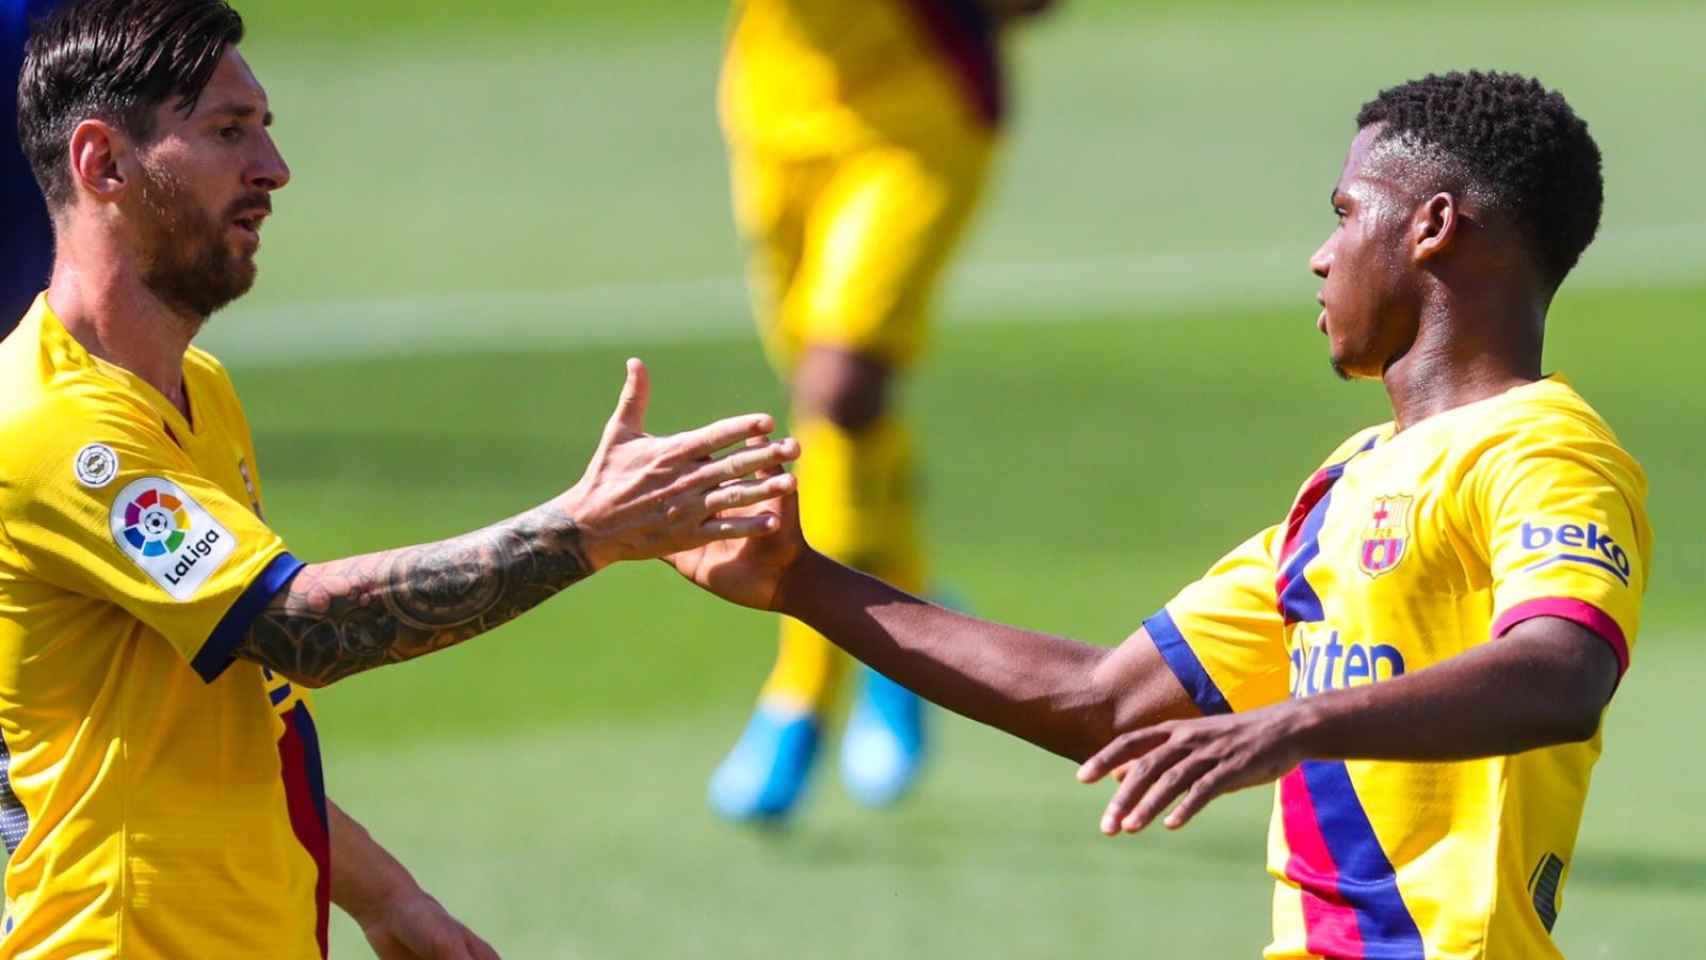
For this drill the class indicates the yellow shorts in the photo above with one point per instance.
(844, 250)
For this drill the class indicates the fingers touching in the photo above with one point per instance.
(758, 455)
(748, 492)
(710, 438)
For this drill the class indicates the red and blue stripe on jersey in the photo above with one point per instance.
(305, 797)
(1352, 908)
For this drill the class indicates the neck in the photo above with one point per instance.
(1467, 349)
(99, 297)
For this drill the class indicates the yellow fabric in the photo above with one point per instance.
(858, 505)
(1232, 619)
(816, 78)
(857, 153)
(845, 251)
(1431, 542)
(157, 820)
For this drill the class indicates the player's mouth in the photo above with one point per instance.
(248, 225)
(1321, 321)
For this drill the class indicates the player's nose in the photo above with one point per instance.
(1321, 261)
(269, 171)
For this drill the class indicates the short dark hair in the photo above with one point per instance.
(113, 60)
(1518, 144)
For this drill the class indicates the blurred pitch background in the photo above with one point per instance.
(494, 203)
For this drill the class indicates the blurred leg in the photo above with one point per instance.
(878, 228)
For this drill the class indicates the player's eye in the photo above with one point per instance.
(231, 133)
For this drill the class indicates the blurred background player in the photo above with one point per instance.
(859, 138)
(26, 238)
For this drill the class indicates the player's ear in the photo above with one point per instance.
(1434, 225)
(97, 149)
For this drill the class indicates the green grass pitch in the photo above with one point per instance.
(495, 203)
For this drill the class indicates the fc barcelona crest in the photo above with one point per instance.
(1387, 535)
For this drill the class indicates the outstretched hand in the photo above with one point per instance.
(644, 496)
(750, 572)
(1197, 759)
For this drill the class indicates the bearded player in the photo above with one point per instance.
(1420, 650)
(160, 784)
(860, 137)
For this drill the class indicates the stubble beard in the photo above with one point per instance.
(188, 264)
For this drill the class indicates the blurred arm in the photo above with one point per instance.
(365, 877)
(398, 918)
(1063, 696)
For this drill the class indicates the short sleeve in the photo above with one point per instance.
(1567, 536)
(116, 511)
(1222, 635)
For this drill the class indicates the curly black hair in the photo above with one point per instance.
(1517, 146)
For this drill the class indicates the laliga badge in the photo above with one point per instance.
(96, 465)
(170, 536)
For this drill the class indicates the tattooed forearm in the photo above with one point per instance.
(346, 616)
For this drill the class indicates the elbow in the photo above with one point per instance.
(1579, 725)
(1580, 707)
(1568, 719)
(1103, 711)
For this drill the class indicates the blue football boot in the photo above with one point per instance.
(765, 773)
(884, 743)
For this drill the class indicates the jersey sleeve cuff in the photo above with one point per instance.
(1184, 664)
(217, 653)
(1576, 611)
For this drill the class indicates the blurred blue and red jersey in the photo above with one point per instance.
(26, 237)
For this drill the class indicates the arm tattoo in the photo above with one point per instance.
(346, 616)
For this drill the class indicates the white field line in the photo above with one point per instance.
(715, 308)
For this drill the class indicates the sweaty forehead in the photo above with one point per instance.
(1376, 164)
(1359, 159)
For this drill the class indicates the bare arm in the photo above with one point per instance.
(1064, 696)
(342, 617)
(1544, 682)
(1061, 695)
(399, 919)
(641, 497)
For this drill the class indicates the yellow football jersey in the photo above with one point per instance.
(817, 77)
(158, 799)
(1404, 550)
